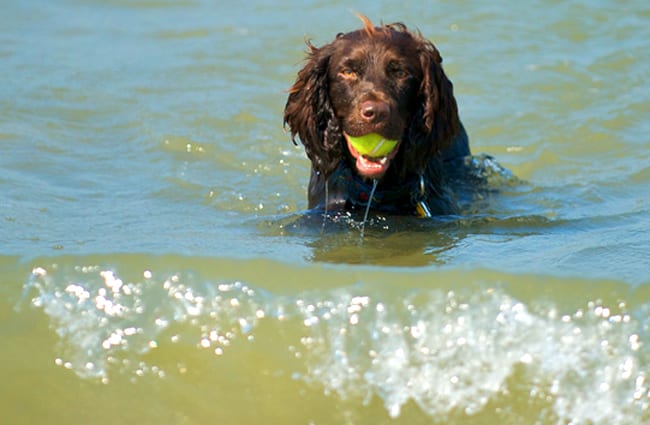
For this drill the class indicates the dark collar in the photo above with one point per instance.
(407, 197)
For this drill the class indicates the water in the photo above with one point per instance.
(158, 266)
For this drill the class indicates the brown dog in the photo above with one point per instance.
(385, 80)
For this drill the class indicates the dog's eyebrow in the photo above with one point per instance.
(397, 63)
(352, 62)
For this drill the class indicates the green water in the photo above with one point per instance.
(157, 267)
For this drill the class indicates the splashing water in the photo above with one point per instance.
(445, 351)
(365, 215)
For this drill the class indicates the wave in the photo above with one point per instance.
(446, 342)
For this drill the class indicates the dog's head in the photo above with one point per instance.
(379, 79)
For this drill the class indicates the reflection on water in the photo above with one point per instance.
(398, 240)
(349, 237)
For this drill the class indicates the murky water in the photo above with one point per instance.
(158, 266)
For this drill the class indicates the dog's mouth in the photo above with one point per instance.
(371, 167)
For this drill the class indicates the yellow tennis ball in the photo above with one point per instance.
(372, 145)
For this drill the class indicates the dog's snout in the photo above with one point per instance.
(373, 111)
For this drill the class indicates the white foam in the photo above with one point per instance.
(452, 353)
(445, 352)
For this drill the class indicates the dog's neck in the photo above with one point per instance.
(411, 193)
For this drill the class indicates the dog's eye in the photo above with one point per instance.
(348, 73)
(399, 73)
(397, 70)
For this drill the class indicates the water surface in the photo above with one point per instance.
(157, 264)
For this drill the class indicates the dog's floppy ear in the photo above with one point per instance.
(436, 121)
(309, 113)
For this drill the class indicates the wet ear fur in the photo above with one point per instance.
(309, 113)
(436, 121)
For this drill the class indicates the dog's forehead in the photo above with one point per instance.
(360, 42)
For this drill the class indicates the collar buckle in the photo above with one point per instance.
(421, 207)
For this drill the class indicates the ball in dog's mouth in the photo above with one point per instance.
(372, 152)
